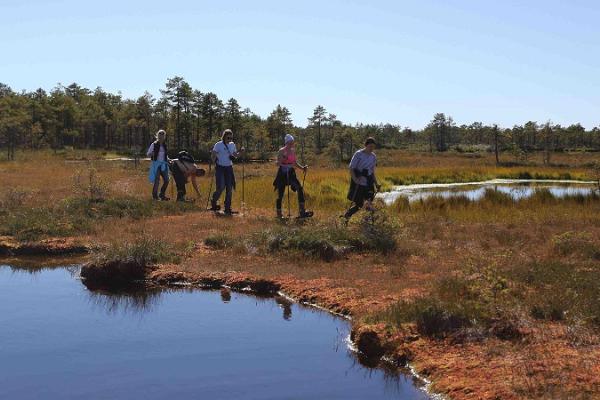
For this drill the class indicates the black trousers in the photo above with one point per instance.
(285, 179)
(180, 181)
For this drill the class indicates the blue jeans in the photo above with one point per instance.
(164, 173)
(225, 180)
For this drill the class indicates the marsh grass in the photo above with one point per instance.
(329, 241)
(143, 251)
(124, 263)
(219, 241)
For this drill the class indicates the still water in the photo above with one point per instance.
(516, 188)
(59, 340)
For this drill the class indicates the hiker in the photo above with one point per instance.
(286, 176)
(182, 168)
(363, 181)
(159, 166)
(223, 154)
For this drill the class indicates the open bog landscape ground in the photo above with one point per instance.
(491, 296)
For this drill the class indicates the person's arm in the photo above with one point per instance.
(377, 185)
(304, 167)
(213, 154)
(237, 153)
(195, 185)
(150, 150)
(353, 164)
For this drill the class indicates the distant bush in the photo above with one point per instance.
(89, 185)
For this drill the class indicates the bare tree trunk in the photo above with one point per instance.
(496, 144)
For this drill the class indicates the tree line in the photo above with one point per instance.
(78, 117)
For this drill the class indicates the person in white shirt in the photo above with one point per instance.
(223, 154)
(159, 166)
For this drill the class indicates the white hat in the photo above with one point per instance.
(288, 138)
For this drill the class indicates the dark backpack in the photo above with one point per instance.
(185, 157)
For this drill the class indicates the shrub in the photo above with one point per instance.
(218, 241)
(575, 242)
(89, 185)
(13, 197)
(120, 264)
(325, 242)
(144, 251)
(378, 232)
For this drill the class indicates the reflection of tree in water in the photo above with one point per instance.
(225, 295)
(286, 305)
(133, 299)
(396, 378)
(37, 266)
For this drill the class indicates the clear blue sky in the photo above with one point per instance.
(371, 61)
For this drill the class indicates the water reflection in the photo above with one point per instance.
(516, 189)
(286, 306)
(225, 295)
(134, 299)
(223, 345)
(36, 265)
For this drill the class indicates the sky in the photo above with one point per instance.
(400, 62)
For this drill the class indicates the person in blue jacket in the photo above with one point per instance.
(159, 166)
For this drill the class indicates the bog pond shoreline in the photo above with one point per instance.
(162, 282)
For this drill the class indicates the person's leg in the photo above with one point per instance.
(359, 201)
(180, 183)
(219, 186)
(155, 187)
(280, 194)
(301, 200)
(229, 182)
(165, 176)
(154, 174)
(351, 211)
(228, 196)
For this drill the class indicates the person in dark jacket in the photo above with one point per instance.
(363, 181)
(184, 168)
(159, 166)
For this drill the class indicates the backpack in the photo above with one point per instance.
(185, 157)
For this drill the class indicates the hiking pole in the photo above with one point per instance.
(211, 183)
(243, 183)
(303, 180)
(288, 196)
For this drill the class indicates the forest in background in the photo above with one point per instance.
(77, 117)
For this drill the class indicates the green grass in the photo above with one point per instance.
(329, 241)
(76, 215)
(124, 263)
(219, 241)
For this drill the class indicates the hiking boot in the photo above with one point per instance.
(229, 212)
(164, 198)
(305, 214)
(279, 213)
(344, 220)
